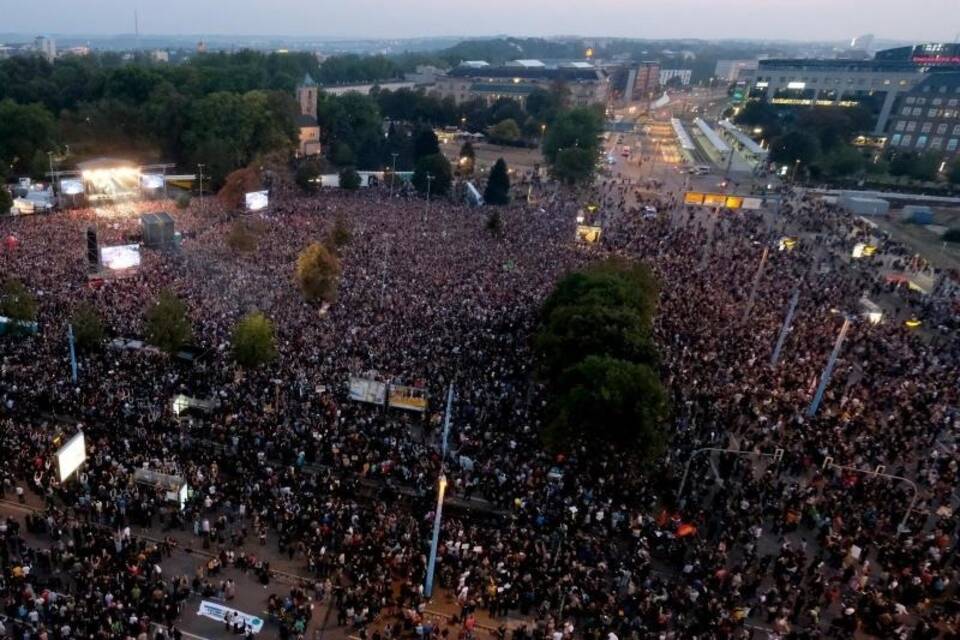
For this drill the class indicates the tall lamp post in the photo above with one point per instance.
(426, 210)
(437, 516)
(393, 175)
(828, 370)
(200, 168)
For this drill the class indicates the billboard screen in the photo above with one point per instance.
(257, 200)
(126, 256)
(71, 455)
(693, 197)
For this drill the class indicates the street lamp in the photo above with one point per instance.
(437, 516)
(393, 174)
(831, 363)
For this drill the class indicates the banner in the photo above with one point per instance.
(219, 613)
(366, 390)
(411, 398)
(587, 233)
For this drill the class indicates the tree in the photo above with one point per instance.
(308, 174)
(349, 179)
(26, 134)
(167, 325)
(237, 185)
(953, 176)
(504, 132)
(844, 160)
(6, 201)
(951, 235)
(595, 351)
(88, 328)
(577, 128)
(573, 166)
(468, 158)
(925, 167)
(794, 146)
(438, 167)
(425, 143)
(318, 273)
(17, 303)
(339, 235)
(241, 237)
(254, 341)
(495, 222)
(498, 185)
(610, 401)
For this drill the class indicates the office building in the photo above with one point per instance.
(518, 79)
(683, 75)
(47, 47)
(730, 70)
(875, 84)
(927, 118)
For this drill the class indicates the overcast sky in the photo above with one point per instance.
(920, 20)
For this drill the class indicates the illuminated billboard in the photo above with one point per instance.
(126, 256)
(71, 455)
(71, 187)
(257, 200)
(692, 197)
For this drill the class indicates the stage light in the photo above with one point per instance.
(151, 181)
(71, 187)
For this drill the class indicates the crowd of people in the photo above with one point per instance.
(801, 530)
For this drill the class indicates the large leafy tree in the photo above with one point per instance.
(17, 303)
(794, 146)
(438, 167)
(578, 128)
(88, 328)
(612, 401)
(504, 132)
(254, 341)
(498, 185)
(167, 325)
(425, 143)
(318, 273)
(597, 356)
(26, 134)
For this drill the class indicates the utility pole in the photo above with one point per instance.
(437, 515)
(446, 422)
(393, 175)
(786, 327)
(73, 354)
(53, 180)
(426, 210)
(756, 283)
(200, 167)
(828, 370)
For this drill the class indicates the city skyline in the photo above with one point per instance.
(796, 20)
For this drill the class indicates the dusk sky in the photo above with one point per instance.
(921, 20)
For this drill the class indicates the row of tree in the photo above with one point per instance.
(597, 358)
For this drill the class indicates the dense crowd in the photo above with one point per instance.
(769, 540)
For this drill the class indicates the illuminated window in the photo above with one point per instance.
(927, 126)
(905, 111)
(956, 129)
(917, 111)
(952, 145)
(907, 139)
(921, 142)
(932, 113)
(900, 125)
(911, 126)
(936, 142)
(942, 128)
(895, 140)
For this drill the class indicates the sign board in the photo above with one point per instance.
(257, 200)
(751, 203)
(410, 398)
(367, 390)
(693, 197)
(121, 257)
(71, 455)
(587, 233)
(714, 199)
(174, 487)
(733, 202)
(218, 612)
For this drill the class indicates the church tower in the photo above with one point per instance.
(307, 96)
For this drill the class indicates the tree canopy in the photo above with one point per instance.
(498, 185)
(88, 330)
(254, 341)
(17, 303)
(596, 354)
(167, 325)
(438, 167)
(318, 273)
